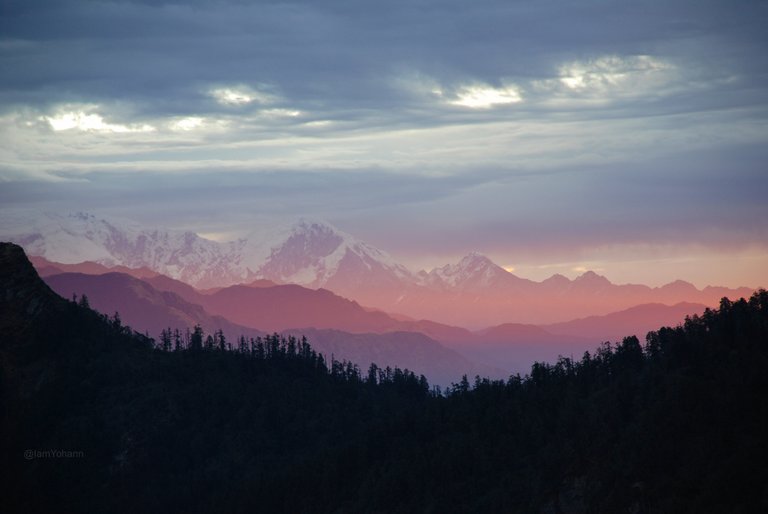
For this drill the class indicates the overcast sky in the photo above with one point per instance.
(627, 137)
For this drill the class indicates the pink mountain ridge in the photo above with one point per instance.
(150, 301)
(474, 293)
(310, 275)
(337, 327)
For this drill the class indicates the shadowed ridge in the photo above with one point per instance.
(44, 340)
(24, 297)
(637, 320)
(141, 305)
(34, 319)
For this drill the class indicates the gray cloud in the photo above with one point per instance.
(337, 55)
(427, 126)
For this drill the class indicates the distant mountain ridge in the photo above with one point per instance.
(474, 293)
(336, 326)
(142, 306)
(361, 335)
(637, 321)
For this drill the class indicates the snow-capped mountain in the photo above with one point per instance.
(316, 254)
(80, 237)
(475, 292)
(310, 253)
(474, 272)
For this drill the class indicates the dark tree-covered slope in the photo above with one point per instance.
(675, 425)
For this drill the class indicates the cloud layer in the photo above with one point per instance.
(540, 132)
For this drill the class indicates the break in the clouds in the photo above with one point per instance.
(545, 133)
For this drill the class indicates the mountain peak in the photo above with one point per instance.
(304, 224)
(591, 278)
(21, 290)
(473, 270)
(557, 280)
(679, 285)
(13, 262)
(314, 253)
(475, 258)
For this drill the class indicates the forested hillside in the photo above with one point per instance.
(676, 424)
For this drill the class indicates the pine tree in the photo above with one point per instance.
(196, 339)
(165, 339)
(373, 374)
(177, 341)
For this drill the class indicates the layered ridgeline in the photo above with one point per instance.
(339, 327)
(475, 292)
(343, 328)
(94, 419)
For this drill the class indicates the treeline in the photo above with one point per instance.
(271, 347)
(676, 423)
(281, 347)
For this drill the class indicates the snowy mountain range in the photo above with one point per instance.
(475, 292)
(309, 253)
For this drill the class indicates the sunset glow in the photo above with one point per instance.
(637, 157)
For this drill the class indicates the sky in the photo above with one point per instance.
(627, 137)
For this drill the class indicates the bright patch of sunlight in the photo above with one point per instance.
(238, 96)
(484, 97)
(280, 113)
(609, 72)
(187, 124)
(90, 122)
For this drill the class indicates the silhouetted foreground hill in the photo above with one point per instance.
(94, 419)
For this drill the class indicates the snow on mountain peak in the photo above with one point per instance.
(70, 238)
(473, 270)
(314, 226)
(307, 252)
(474, 260)
(311, 252)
